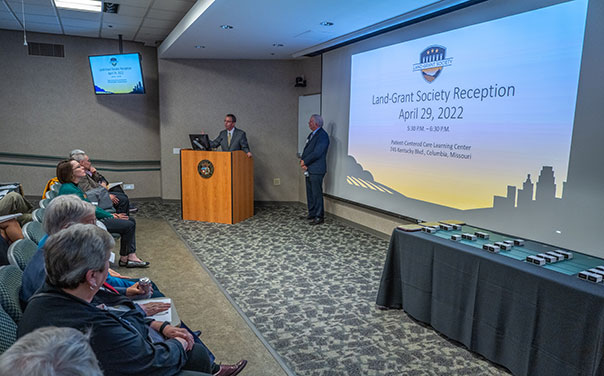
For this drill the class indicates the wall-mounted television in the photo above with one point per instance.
(117, 74)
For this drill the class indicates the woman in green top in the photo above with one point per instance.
(69, 173)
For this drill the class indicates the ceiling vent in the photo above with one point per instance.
(46, 49)
(110, 7)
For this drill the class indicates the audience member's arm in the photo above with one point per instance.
(174, 332)
(131, 353)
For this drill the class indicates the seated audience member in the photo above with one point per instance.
(77, 263)
(51, 351)
(14, 203)
(3, 252)
(94, 179)
(61, 213)
(10, 231)
(69, 173)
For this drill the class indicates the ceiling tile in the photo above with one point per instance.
(111, 34)
(84, 24)
(38, 2)
(130, 11)
(73, 14)
(149, 22)
(119, 29)
(173, 5)
(7, 16)
(44, 28)
(135, 3)
(38, 9)
(115, 19)
(9, 24)
(78, 31)
(155, 30)
(165, 15)
(148, 35)
(39, 19)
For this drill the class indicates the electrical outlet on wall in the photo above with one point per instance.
(128, 186)
(276, 181)
(175, 150)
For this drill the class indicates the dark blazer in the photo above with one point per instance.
(121, 344)
(238, 141)
(315, 152)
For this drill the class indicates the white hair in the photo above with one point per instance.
(64, 211)
(76, 151)
(71, 253)
(51, 351)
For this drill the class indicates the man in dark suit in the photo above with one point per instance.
(231, 138)
(314, 164)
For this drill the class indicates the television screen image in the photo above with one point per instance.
(117, 74)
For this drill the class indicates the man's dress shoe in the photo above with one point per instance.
(317, 221)
(231, 370)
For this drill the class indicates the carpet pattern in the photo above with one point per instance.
(311, 291)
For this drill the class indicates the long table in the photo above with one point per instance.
(532, 320)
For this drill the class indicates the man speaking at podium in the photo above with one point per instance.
(231, 138)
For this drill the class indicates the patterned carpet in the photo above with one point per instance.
(311, 290)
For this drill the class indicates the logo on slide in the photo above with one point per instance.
(432, 60)
(113, 61)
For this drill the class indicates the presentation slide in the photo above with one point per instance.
(455, 118)
(117, 74)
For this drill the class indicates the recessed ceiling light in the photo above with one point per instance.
(277, 44)
(200, 46)
(84, 5)
(326, 23)
(226, 27)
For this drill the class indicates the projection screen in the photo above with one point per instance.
(480, 115)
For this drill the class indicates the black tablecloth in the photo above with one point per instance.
(531, 320)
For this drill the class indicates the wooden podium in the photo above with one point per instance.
(216, 186)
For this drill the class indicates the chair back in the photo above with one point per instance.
(38, 214)
(21, 252)
(8, 331)
(44, 202)
(55, 187)
(10, 285)
(50, 194)
(33, 231)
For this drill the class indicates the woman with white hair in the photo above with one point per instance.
(77, 263)
(51, 351)
(62, 212)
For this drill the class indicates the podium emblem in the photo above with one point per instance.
(205, 169)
